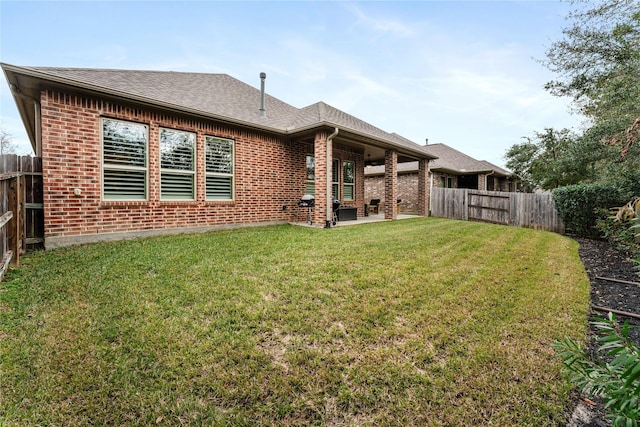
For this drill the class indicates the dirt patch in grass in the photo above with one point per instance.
(601, 259)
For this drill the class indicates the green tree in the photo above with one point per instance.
(552, 159)
(519, 159)
(598, 65)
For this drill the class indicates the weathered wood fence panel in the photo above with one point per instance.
(529, 210)
(489, 207)
(11, 216)
(21, 208)
(452, 204)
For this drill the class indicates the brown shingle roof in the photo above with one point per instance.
(454, 160)
(448, 160)
(218, 96)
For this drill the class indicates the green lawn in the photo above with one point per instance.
(414, 322)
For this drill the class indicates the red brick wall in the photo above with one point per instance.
(390, 184)
(407, 191)
(269, 174)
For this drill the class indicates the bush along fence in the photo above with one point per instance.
(528, 210)
(578, 205)
(21, 213)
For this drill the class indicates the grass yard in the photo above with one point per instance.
(415, 322)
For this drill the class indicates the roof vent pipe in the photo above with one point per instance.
(263, 76)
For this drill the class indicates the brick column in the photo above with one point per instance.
(423, 187)
(322, 160)
(390, 184)
(482, 182)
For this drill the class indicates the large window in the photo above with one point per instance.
(177, 164)
(311, 175)
(349, 179)
(124, 157)
(219, 168)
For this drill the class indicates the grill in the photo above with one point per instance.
(308, 202)
(336, 206)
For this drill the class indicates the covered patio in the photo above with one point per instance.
(336, 157)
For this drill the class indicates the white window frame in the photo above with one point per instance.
(119, 167)
(349, 184)
(335, 179)
(230, 176)
(310, 184)
(167, 172)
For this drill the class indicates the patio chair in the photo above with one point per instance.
(374, 206)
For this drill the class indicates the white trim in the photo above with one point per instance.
(116, 167)
(231, 175)
(350, 184)
(167, 171)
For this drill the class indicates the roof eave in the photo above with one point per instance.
(372, 140)
(26, 105)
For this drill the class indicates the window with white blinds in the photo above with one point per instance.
(310, 183)
(124, 157)
(219, 168)
(349, 179)
(335, 180)
(177, 164)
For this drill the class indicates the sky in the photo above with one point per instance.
(462, 73)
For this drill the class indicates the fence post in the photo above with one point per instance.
(13, 230)
(466, 207)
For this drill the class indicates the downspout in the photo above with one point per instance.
(486, 181)
(329, 179)
(38, 125)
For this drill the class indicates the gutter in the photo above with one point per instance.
(329, 178)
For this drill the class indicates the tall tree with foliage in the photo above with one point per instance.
(598, 64)
(552, 159)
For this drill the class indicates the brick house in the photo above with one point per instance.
(450, 169)
(131, 153)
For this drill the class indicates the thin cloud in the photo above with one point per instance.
(381, 25)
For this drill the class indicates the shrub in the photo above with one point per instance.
(577, 205)
(616, 380)
(619, 226)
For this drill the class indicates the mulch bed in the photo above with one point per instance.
(601, 259)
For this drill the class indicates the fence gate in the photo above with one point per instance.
(489, 207)
(21, 207)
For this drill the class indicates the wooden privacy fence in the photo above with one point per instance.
(21, 213)
(529, 210)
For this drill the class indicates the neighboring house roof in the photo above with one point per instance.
(214, 96)
(448, 160)
(497, 169)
